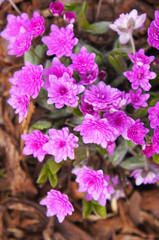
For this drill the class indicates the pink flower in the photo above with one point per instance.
(156, 21)
(63, 91)
(140, 58)
(155, 139)
(69, 17)
(57, 69)
(110, 147)
(144, 177)
(83, 61)
(56, 8)
(36, 25)
(34, 143)
(87, 108)
(120, 121)
(61, 144)
(148, 149)
(19, 102)
(126, 24)
(96, 131)
(94, 183)
(154, 115)
(138, 99)
(29, 79)
(137, 132)
(102, 75)
(90, 76)
(60, 41)
(140, 76)
(153, 32)
(57, 204)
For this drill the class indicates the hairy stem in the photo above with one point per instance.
(132, 44)
(15, 7)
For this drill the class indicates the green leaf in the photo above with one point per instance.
(40, 125)
(81, 19)
(117, 61)
(134, 162)
(102, 150)
(53, 166)
(34, 55)
(99, 210)
(98, 27)
(73, 7)
(53, 179)
(87, 208)
(43, 175)
(119, 154)
(156, 158)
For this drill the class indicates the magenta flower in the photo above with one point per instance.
(154, 115)
(61, 144)
(83, 61)
(140, 58)
(19, 102)
(60, 41)
(34, 143)
(29, 79)
(120, 121)
(110, 147)
(155, 139)
(140, 76)
(87, 108)
(96, 131)
(90, 76)
(102, 75)
(126, 24)
(63, 91)
(137, 132)
(148, 149)
(94, 183)
(57, 69)
(69, 17)
(153, 32)
(57, 204)
(138, 99)
(56, 8)
(36, 25)
(144, 177)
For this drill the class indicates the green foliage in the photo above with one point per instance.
(119, 153)
(156, 158)
(98, 27)
(34, 55)
(99, 210)
(89, 206)
(133, 162)
(40, 125)
(117, 61)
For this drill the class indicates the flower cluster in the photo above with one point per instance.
(21, 30)
(153, 31)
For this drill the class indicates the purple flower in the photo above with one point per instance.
(96, 131)
(83, 61)
(153, 32)
(137, 132)
(120, 121)
(156, 21)
(34, 143)
(29, 79)
(60, 41)
(138, 99)
(57, 204)
(19, 102)
(87, 108)
(61, 144)
(94, 183)
(110, 147)
(36, 25)
(69, 17)
(144, 177)
(102, 75)
(140, 76)
(140, 58)
(126, 24)
(63, 91)
(154, 115)
(56, 8)
(90, 76)
(155, 139)
(148, 149)
(57, 69)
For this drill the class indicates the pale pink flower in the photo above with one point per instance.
(57, 204)
(97, 131)
(140, 76)
(120, 121)
(19, 102)
(138, 99)
(34, 143)
(137, 132)
(61, 144)
(63, 91)
(56, 8)
(69, 17)
(140, 58)
(83, 61)
(155, 139)
(60, 41)
(126, 24)
(148, 149)
(154, 115)
(57, 69)
(94, 183)
(144, 176)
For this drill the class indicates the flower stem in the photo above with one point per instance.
(132, 44)
(15, 7)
